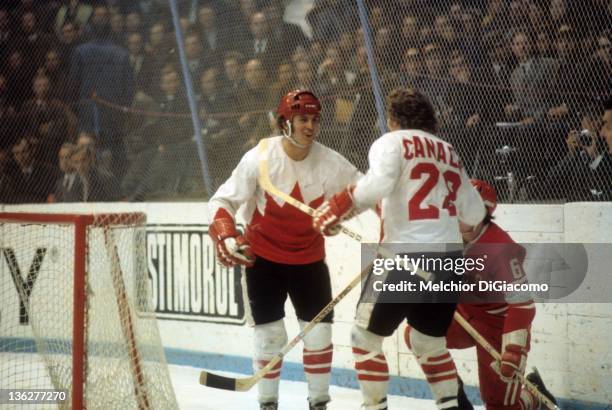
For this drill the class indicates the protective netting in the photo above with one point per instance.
(123, 360)
(518, 86)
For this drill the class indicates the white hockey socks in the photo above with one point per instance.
(317, 358)
(438, 366)
(371, 366)
(269, 340)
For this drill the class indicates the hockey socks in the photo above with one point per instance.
(373, 376)
(317, 358)
(437, 365)
(371, 366)
(269, 340)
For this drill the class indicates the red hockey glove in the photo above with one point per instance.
(513, 354)
(232, 248)
(515, 337)
(513, 361)
(329, 215)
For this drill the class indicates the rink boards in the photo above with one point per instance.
(202, 315)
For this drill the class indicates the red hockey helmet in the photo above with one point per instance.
(487, 193)
(298, 102)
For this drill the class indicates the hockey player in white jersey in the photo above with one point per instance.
(424, 193)
(284, 255)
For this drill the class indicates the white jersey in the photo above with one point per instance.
(423, 187)
(278, 231)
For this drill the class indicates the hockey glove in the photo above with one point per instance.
(513, 354)
(232, 248)
(329, 215)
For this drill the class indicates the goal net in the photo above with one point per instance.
(76, 313)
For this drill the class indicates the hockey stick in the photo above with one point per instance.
(495, 354)
(245, 383)
(266, 184)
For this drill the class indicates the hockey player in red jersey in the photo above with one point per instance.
(503, 319)
(424, 192)
(283, 254)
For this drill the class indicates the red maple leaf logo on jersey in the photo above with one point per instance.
(285, 228)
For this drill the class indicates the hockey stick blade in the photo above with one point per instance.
(246, 383)
(226, 383)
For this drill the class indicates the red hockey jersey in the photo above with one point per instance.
(503, 262)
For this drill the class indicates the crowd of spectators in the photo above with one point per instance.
(93, 105)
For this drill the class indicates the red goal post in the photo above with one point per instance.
(90, 270)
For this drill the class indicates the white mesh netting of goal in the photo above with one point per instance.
(76, 314)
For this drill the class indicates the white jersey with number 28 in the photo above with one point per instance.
(423, 187)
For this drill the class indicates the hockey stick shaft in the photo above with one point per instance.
(266, 184)
(495, 354)
(245, 383)
(317, 319)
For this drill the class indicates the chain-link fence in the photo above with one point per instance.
(94, 106)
